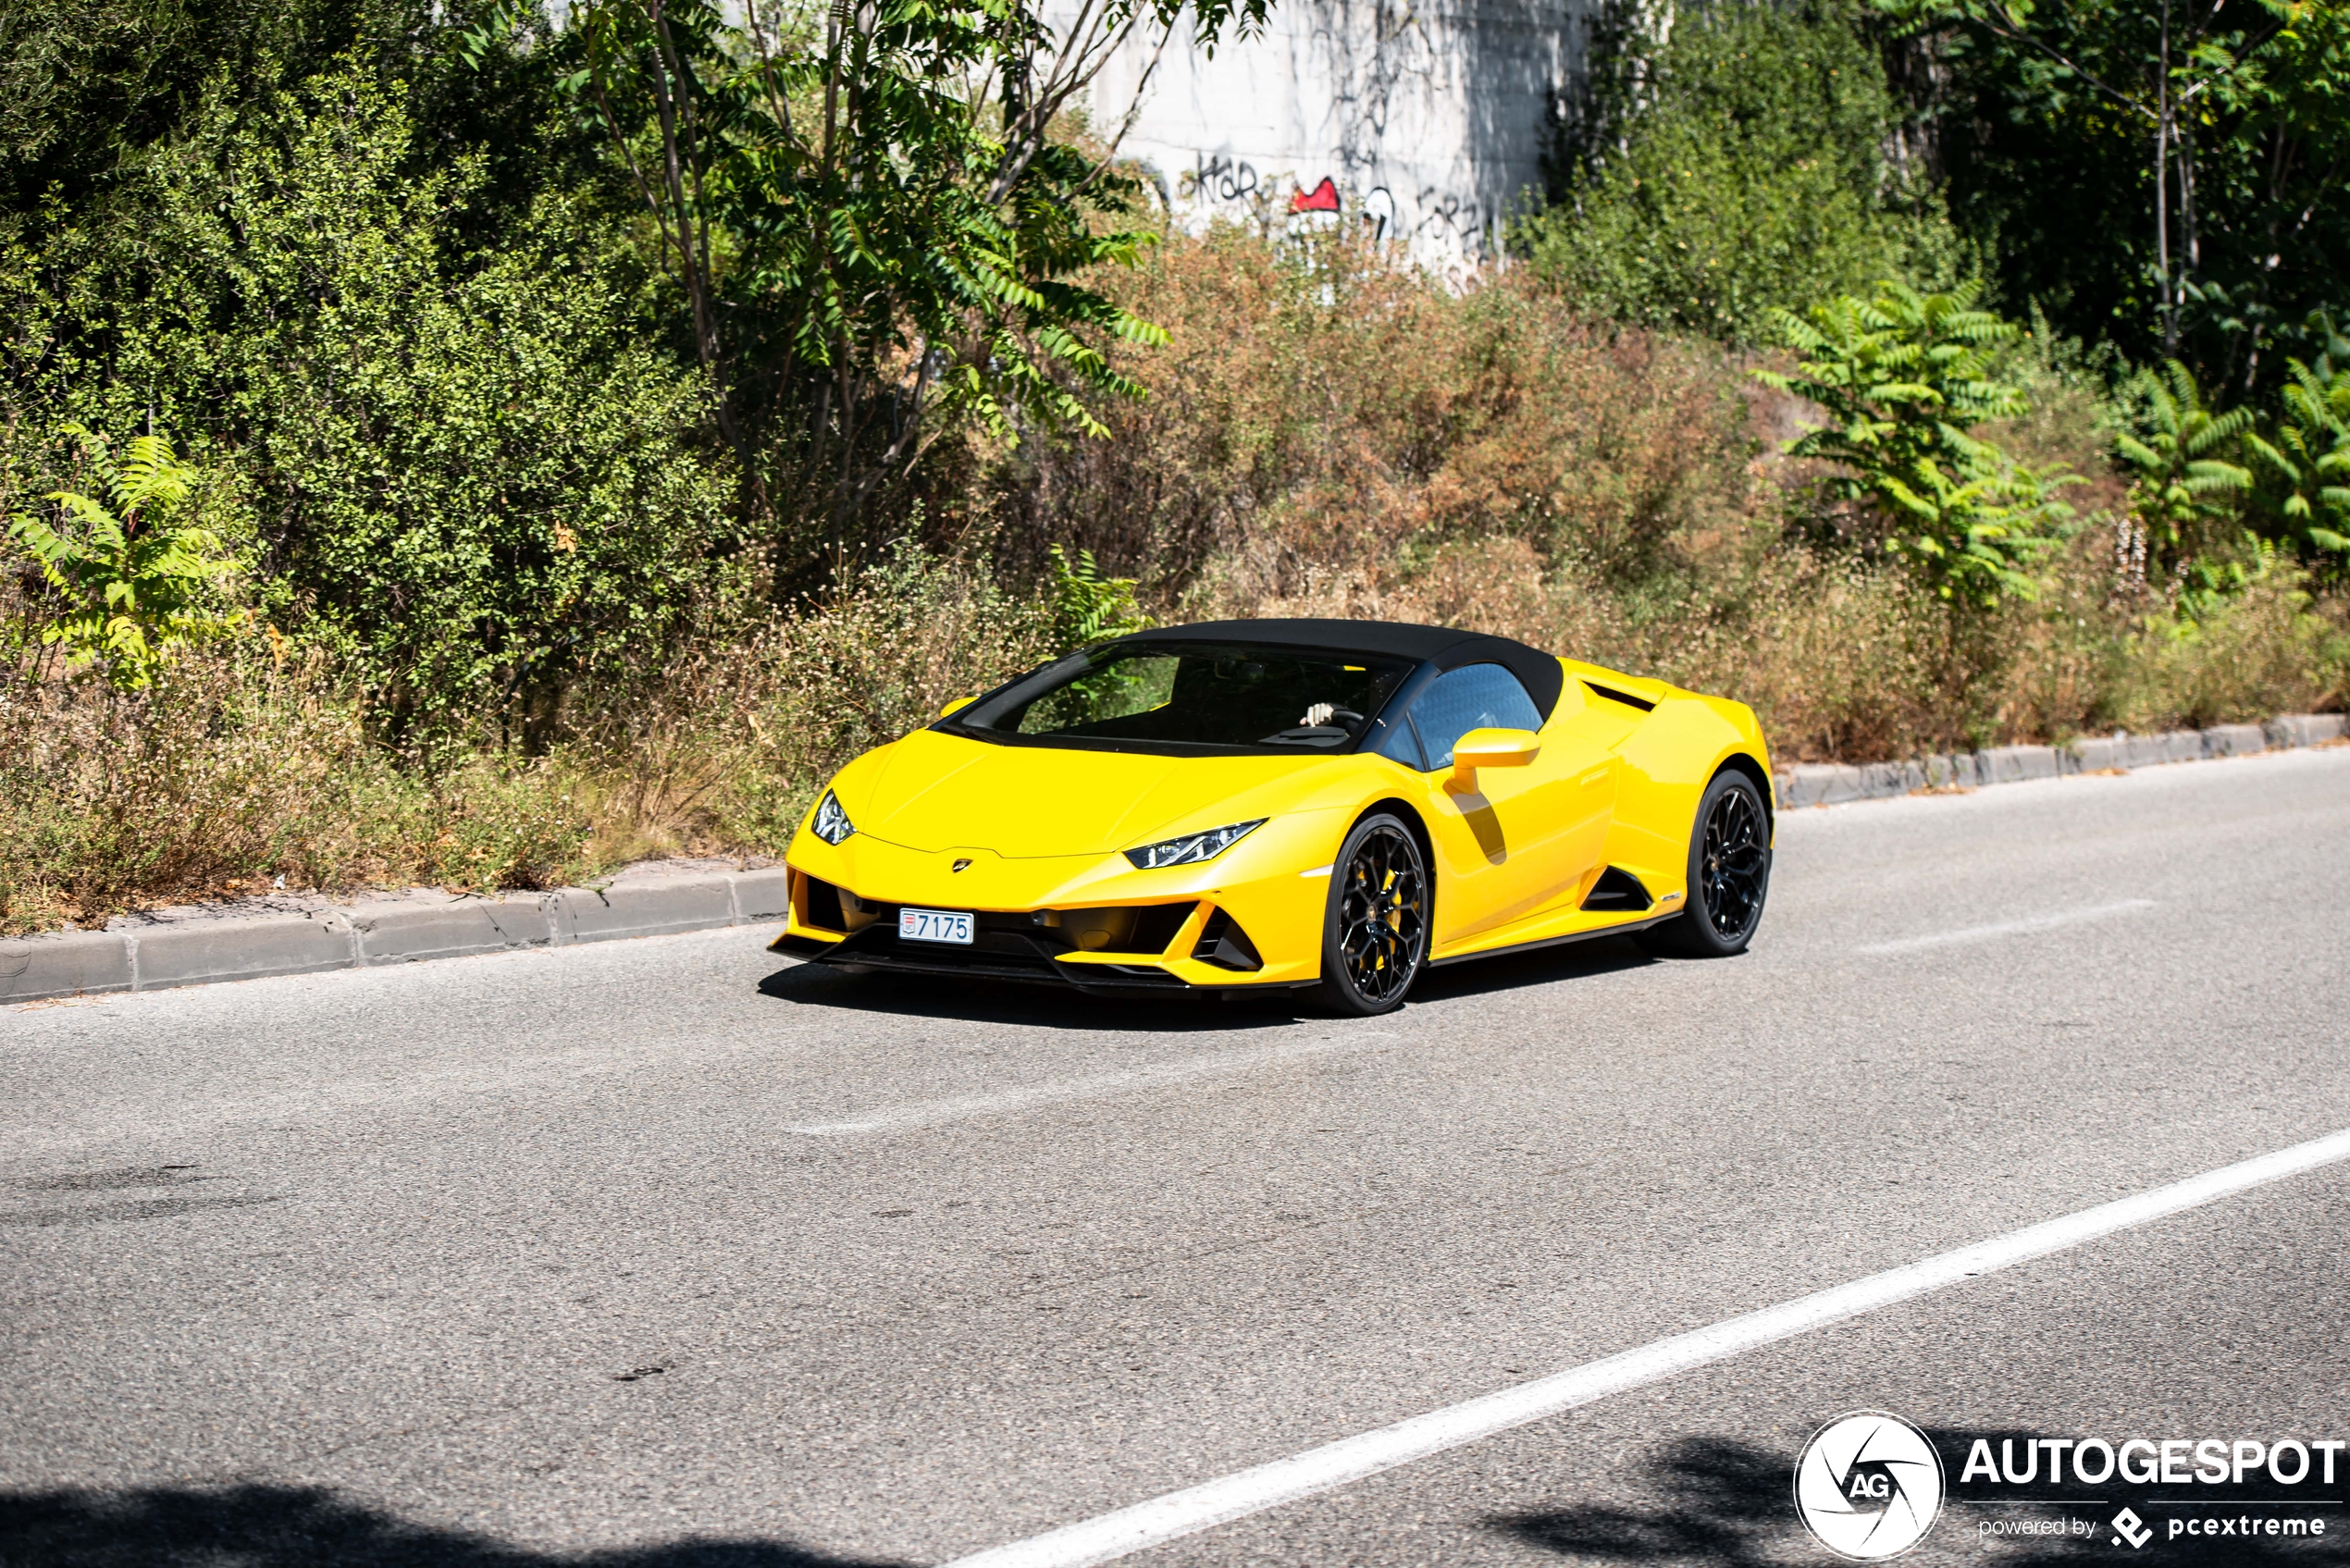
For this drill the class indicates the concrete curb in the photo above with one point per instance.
(199, 952)
(1833, 783)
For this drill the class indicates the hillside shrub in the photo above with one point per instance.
(247, 762)
(1331, 436)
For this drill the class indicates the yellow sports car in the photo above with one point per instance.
(1254, 805)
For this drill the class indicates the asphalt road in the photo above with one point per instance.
(668, 1253)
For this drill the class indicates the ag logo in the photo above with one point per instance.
(1868, 1486)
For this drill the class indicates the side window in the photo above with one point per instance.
(1393, 737)
(1474, 696)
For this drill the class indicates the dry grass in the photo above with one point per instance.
(725, 748)
(233, 772)
(2273, 650)
(1319, 414)
(237, 769)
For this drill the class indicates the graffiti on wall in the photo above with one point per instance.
(1323, 198)
(1441, 214)
(1219, 177)
(1457, 223)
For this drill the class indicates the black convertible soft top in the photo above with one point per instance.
(1445, 647)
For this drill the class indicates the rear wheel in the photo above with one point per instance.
(1729, 874)
(1375, 932)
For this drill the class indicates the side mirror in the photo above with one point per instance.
(949, 711)
(1493, 748)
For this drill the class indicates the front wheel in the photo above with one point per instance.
(1729, 874)
(1375, 932)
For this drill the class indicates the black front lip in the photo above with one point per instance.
(1008, 956)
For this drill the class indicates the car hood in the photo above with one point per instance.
(932, 791)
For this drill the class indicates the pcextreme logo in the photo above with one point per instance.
(1868, 1486)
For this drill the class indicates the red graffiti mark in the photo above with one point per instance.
(1323, 198)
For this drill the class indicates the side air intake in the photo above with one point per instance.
(1223, 943)
(1617, 889)
(1626, 698)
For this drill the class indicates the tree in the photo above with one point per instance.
(875, 217)
(2166, 171)
(2182, 488)
(1087, 606)
(2303, 461)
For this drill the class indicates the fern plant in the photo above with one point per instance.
(1087, 606)
(128, 566)
(1904, 377)
(2303, 463)
(2181, 484)
(1975, 529)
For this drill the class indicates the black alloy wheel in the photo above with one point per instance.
(1375, 935)
(1736, 858)
(1729, 874)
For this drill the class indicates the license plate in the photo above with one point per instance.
(934, 925)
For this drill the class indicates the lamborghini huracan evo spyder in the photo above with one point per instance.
(1268, 804)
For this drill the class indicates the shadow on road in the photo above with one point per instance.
(1723, 1503)
(262, 1526)
(1047, 1006)
(1541, 966)
(1029, 1007)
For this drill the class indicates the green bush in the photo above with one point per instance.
(2184, 492)
(1087, 606)
(468, 476)
(1739, 165)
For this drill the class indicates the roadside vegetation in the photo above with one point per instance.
(441, 448)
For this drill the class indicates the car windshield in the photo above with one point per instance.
(1194, 694)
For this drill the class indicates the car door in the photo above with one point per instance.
(1519, 839)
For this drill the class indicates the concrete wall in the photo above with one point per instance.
(1429, 119)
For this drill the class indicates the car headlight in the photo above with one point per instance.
(1192, 847)
(832, 824)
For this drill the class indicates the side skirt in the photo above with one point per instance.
(1626, 929)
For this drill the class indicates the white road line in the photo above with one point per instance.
(1100, 1086)
(2008, 928)
(1351, 1459)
